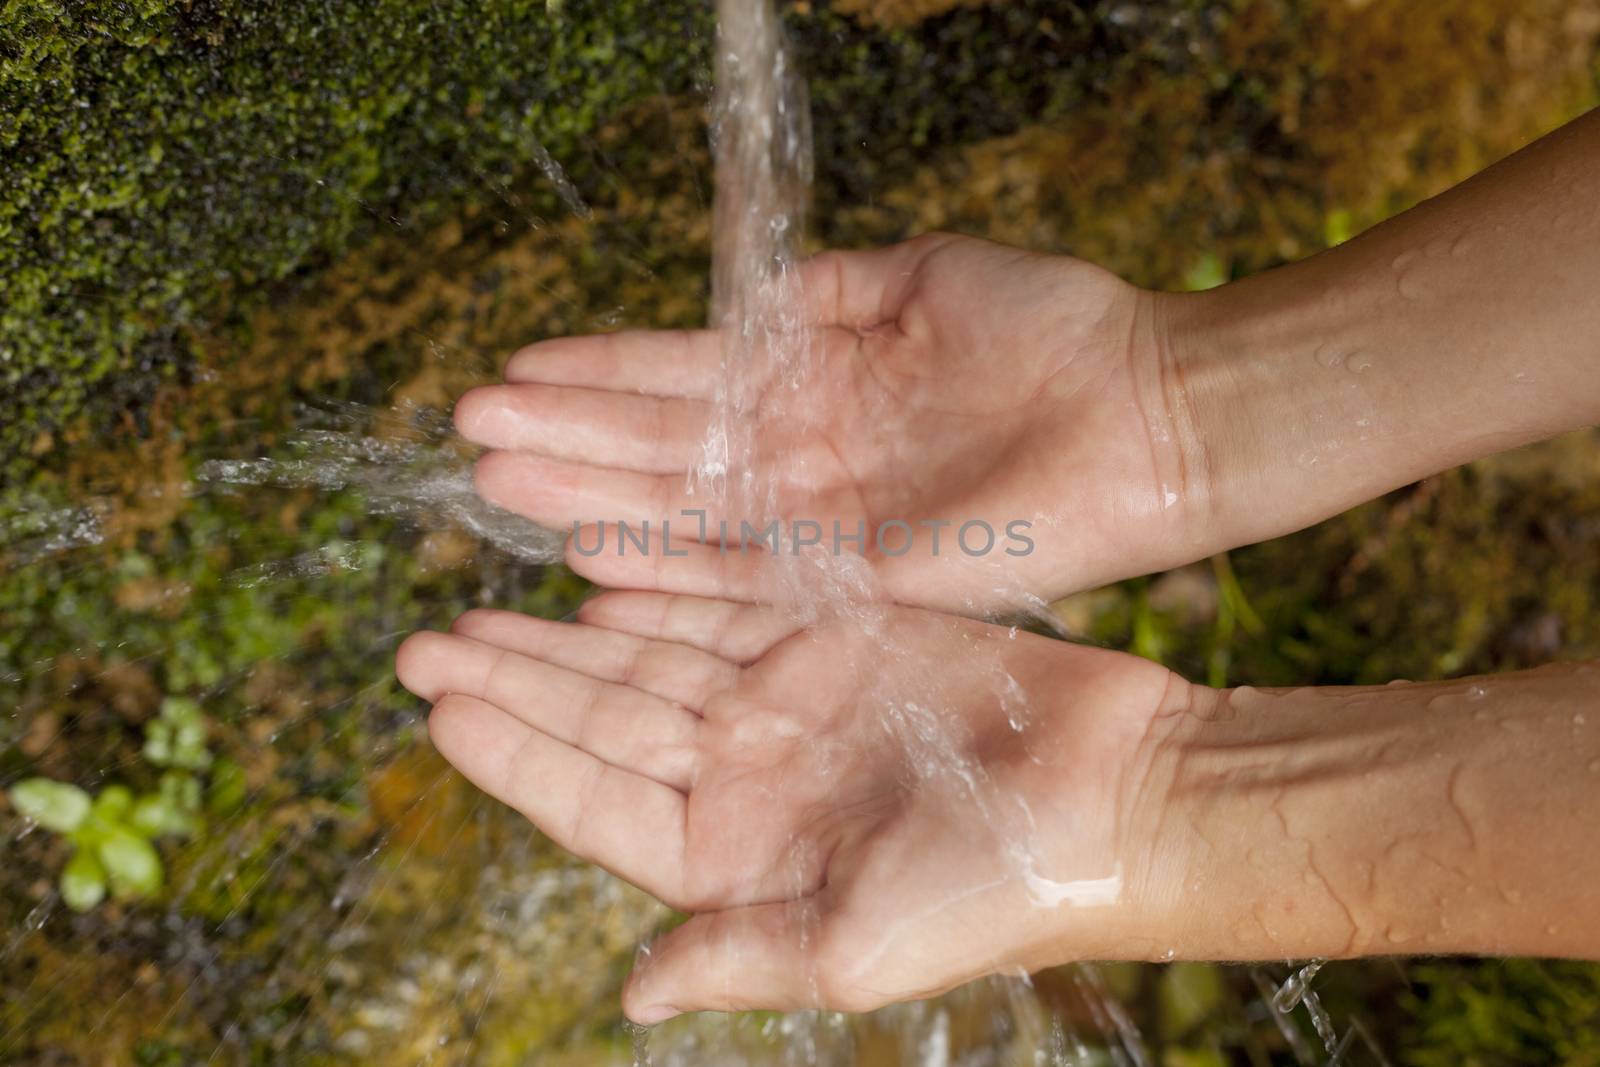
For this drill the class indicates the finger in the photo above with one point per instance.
(740, 959)
(678, 363)
(739, 633)
(652, 434)
(670, 670)
(858, 289)
(623, 726)
(557, 494)
(629, 824)
(609, 555)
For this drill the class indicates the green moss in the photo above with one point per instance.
(163, 163)
(157, 156)
(1504, 1013)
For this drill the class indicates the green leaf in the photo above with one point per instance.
(156, 816)
(132, 864)
(178, 710)
(170, 811)
(1207, 273)
(1337, 227)
(113, 803)
(58, 806)
(158, 743)
(83, 881)
(178, 737)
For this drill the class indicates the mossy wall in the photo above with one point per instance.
(163, 163)
(166, 160)
(157, 157)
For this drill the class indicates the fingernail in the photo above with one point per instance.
(655, 1013)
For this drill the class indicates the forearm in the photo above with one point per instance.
(1465, 326)
(1444, 818)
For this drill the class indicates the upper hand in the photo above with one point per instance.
(951, 380)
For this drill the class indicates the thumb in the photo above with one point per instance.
(758, 957)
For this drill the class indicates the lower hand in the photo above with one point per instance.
(847, 827)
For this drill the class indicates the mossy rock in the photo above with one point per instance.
(164, 162)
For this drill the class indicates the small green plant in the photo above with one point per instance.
(178, 737)
(113, 833)
(110, 834)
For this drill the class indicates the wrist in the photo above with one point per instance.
(1279, 410)
(1445, 818)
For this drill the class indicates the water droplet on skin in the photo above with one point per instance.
(1357, 362)
(1579, 719)
(1328, 355)
(1396, 935)
(1476, 692)
(1169, 955)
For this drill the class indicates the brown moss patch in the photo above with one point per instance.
(1288, 116)
(901, 12)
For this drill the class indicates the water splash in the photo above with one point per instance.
(761, 138)
(415, 475)
(31, 529)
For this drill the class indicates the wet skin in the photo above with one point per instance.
(851, 826)
(768, 777)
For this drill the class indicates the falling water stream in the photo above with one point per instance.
(454, 916)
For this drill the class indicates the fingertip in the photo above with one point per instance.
(443, 726)
(651, 1014)
(641, 1003)
(520, 367)
(474, 410)
(463, 730)
(490, 475)
(597, 608)
(413, 661)
(474, 621)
